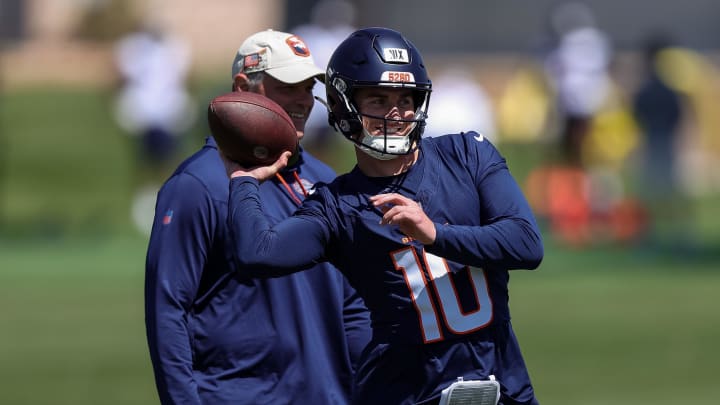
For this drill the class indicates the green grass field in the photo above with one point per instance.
(601, 326)
(613, 328)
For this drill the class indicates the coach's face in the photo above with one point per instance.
(296, 99)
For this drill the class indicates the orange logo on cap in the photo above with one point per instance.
(298, 46)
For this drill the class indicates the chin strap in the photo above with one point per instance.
(290, 190)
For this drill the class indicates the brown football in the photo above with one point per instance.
(250, 128)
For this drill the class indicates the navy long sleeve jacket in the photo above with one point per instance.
(218, 336)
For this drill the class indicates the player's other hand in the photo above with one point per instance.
(407, 214)
(261, 173)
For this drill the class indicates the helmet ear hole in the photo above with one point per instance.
(350, 125)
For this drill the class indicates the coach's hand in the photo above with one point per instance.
(261, 173)
(407, 215)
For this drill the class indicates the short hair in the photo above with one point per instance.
(255, 79)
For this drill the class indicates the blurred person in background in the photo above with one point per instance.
(427, 229)
(459, 103)
(330, 23)
(581, 194)
(658, 110)
(154, 106)
(216, 335)
(578, 71)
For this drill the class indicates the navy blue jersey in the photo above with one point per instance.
(438, 312)
(217, 336)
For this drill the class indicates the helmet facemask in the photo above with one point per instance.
(387, 145)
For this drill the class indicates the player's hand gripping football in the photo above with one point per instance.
(407, 214)
(261, 173)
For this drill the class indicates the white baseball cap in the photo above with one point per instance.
(282, 55)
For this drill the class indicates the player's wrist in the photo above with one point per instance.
(240, 173)
(431, 235)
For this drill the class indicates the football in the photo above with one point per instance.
(250, 128)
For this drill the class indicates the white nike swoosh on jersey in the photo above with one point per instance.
(479, 138)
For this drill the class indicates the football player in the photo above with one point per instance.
(425, 229)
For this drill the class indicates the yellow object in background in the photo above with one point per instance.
(524, 107)
(613, 136)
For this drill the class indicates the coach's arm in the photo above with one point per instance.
(174, 263)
